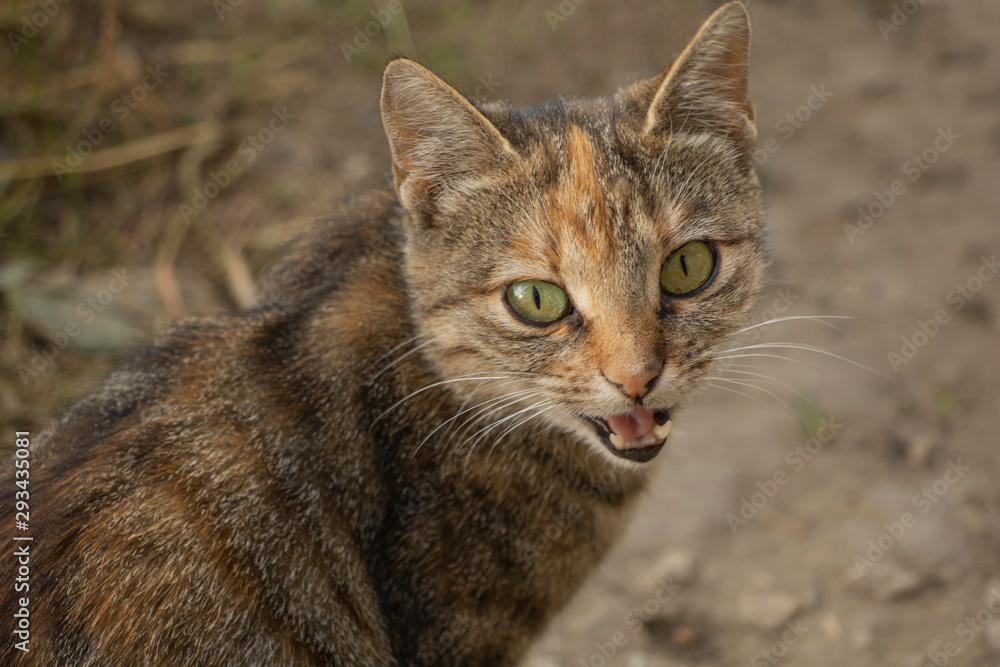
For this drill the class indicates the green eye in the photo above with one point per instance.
(537, 301)
(687, 268)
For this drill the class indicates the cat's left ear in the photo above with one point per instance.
(438, 139)
(706, 87)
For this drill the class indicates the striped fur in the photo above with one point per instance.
(314, 481)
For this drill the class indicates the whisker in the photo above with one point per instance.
(404, 356)
(773, 356)
(472, 393)
(820, 319)
(432, 386)
(489, 412)
(442, 425)
(775, 381)
(405, 342)
(751, 385)
(756, 399)
(497, 422)
(751, 366)
(526, 420)
(516, 426)
(493, 425)
(808, 348)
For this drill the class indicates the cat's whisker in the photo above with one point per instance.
(485, 430)
(497, 439)
(755, 367)
(752, 367)
(809, 348)
(496, 423)
(387, 354)
(516, 426)
(771, 356)
(540, 409)
(471, 395)
(753, 385)
(775, 381)
(438, 384)
(399, 359)
(472, 447)
(551, 425)
(489, 412)
(553, 406)
(451, 420)
(756, 399)
(820, 319)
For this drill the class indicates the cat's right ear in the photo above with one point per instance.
(438, 139)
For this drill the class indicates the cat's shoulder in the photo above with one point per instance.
(319, 259)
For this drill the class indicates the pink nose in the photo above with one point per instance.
(634, 384)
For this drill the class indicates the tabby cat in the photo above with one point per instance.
(435, 422)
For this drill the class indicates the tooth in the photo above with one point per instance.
(618, 441)
(662, 432)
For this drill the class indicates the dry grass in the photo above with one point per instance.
(98, 155)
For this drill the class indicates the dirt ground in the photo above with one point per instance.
(811, 511)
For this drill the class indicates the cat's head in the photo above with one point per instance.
(579, 264)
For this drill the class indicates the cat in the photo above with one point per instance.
(436, 420)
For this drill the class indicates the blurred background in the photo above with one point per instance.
(833, 499)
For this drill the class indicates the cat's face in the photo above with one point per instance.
(579, 265)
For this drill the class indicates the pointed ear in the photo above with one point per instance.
(706, 87)
(437, 137)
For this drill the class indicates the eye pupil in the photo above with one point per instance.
(687, 269)
(538, 301)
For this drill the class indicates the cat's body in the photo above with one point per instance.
(234, 527)
(325, 479)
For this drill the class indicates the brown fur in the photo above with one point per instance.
(305, 483)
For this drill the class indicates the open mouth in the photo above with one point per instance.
(637, 436)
